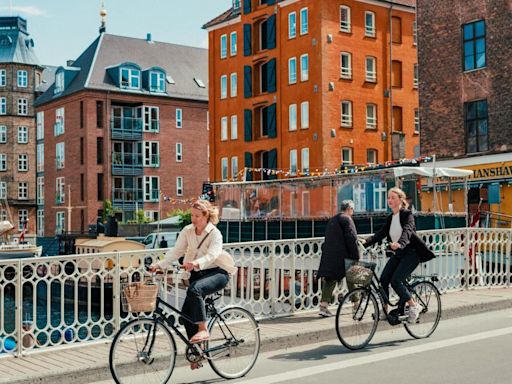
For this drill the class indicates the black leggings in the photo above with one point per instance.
(396, 271)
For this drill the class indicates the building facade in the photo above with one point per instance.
(20, 77)
(125, 122)
(305, 86)
(465, 69)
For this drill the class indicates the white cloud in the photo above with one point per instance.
(29, 10)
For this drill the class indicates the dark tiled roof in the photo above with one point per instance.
(180, 62)
(47, 79)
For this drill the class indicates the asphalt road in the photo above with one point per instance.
(474, 349)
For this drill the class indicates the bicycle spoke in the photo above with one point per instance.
(428, 296)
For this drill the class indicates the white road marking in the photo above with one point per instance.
(319, 369)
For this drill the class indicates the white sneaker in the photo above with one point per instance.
(324, 312)
(414, 313)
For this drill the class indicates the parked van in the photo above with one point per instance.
(152, 240)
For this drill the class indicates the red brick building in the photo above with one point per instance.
(125, 122)
(310, 85)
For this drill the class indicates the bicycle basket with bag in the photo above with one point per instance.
(139, 297)
(359, 275)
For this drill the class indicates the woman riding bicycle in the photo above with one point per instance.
(409, 250)
(201, 245)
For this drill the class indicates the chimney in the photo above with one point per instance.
(69, 63)
(148, 38)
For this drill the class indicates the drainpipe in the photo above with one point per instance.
(389, 144)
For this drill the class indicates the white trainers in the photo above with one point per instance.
(324, 312)
(414, 313)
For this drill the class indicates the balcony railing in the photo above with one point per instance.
(127, 195)
(127, 163)
(127, 128)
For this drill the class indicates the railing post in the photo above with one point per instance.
(116, 298)
(508, 255)
(19, 308)
(291, 284)
(469, 244)
(271, 283)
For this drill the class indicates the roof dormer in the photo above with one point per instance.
(126, 75)
(63, 77)
(153, 79)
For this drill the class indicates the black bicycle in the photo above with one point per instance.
(358, 313)
(144, 349)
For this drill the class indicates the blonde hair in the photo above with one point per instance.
(208, 210)
(401, 195)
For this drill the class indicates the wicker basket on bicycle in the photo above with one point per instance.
(139, 297)
(359, 275)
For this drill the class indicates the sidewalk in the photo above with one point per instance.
(83, 364)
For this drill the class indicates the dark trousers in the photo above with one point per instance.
(202, 283)
(396, 271)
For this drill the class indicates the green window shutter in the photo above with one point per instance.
(247, 40)
(248, 164)
(272, 162)
(247, 125)
(247, 81)
(271, 76)
(247, 6)
(271, 32)
(271, 121)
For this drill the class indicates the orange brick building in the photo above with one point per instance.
(306, 85)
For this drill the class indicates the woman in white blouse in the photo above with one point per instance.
(201, 245)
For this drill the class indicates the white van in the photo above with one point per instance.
(152, 240)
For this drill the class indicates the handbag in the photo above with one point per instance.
(359, 275)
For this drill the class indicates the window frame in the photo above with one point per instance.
(292, 113)
(224, 128)
(304, 161)
(292, 79)
(345, 25)
(3, 134)
(233, 43)
(179, 118)
(350, 152)
(223, 46)
(293, 162)
(223, 87)
(234, 127)
(22, 162)
(224, 170)
(234, 168)
(477, 119)
(346, 72)
(347, 119)
(22, 74)
(371, 121)
(370, 74)
(474, 41)
(23, 106)
(417, 127)
(304, 67)
(369, 31)
(179, 152)
(132, 74)
(22, 190)
(304, 111)
(3, 105)
(179, 185)
(292, 27)
(3, 77)
(304, 27)
(233, 91)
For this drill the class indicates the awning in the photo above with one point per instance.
(174, 220)
(431, 172)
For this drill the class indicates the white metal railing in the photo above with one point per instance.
(60, 300)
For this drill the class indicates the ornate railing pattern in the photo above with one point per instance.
(56, 301)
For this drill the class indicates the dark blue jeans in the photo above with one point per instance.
(396, 271)
(202, 283)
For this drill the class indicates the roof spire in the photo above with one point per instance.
(103, 14)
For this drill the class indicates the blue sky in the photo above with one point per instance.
(62, 29)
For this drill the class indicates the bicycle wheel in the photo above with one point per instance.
(425, 293)
(143, 351)
(357, 318)
(234, 342)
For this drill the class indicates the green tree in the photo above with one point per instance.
(185, 217)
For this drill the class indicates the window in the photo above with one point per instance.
(99, 150)
(236, 4)
(99, 114)
(82, 151)
(3, 78)
(40, 190)
(151, 119)
(3, 215)
(151, 188)
(130, 78)
(22, 190)
(305, 204)
(304, 115)
(304, 67)
(22, 79)
(59, 190)
(179, 186)
(345, 23)
(40, 125)
(234, 85)
(59, 155)
(223, 46)
(3, 162)
(223, 128)
(369, 24)
(346, 113)
(234, 127)
(474, 45)
(416, 120)
(40, 157)
(371, 116)
(293, 162)
(179, 152)
(179, 116)
(233, 45)
(81, 114)
(59, 82)
(156, 81)
(371, 156)
(477, 139)
(292, 25)
(151, 156)
(23, 162)
(396, 29)
(60, 222)
(304, 23)
(22, 219)
(22, 135)
(371, 69)
(304, 160)
(379, 197)
(292, 117)
(292, 70)
(40, 222)
(3, 190)
(396, 74)
(415, 32)
(346, 156)
(3, 106)
(415, 76)
(22, 107)
(224, 168)
(234, 168)
(59, 121)
(3, 134)
(359, 195)
(346, 65)
(223, 86)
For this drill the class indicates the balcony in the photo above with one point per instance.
(128, 199)
(127, 164)
(126, 128)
